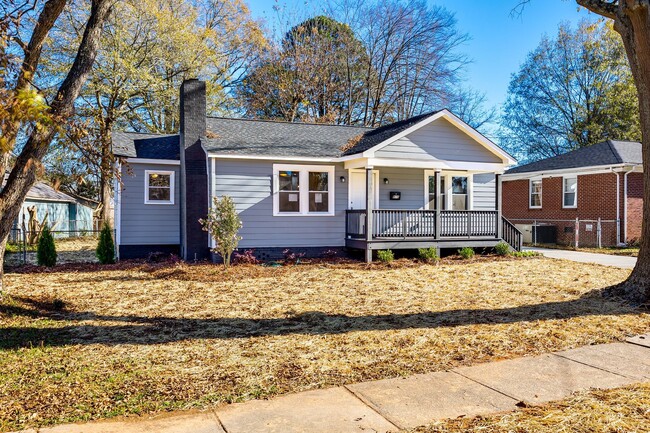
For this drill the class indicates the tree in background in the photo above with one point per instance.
(148, 48)
(572, 91)
(46, 250)
(373, 64)
(27, 111)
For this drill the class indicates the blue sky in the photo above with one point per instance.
(499, 41)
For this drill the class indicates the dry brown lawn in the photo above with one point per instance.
(69, 250)
(137, 338)
(624, 410)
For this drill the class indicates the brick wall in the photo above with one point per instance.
(596, 199)
(634, 206)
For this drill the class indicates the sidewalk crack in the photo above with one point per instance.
(373, 408)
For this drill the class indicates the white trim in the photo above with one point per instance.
(274, 158)
(580, 171)
(375, 175)
(153, 161)
(575, 196)
(447, 175)
(458, 123)
(430, 165)
(117, 208)
(171, 175)
(303, 189)
(530, 194)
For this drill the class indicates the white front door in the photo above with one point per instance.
(357, 190)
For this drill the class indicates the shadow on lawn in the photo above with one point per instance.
(157, 330)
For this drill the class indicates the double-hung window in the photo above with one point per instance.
(303, 190)
(570, 196)
(158, 187)
(535, 201)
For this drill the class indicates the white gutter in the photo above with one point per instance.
(618, 206)
(579, 171)
(625, 203)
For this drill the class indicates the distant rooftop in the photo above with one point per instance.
(606, 153)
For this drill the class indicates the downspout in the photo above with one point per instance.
(618, 206)
(625, 203)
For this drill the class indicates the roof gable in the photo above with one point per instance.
(149, 146)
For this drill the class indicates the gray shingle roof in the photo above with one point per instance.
(259, 137)
(605, 153)
(45, 192)
(150, 146)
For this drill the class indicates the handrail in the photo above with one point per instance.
(512, 235)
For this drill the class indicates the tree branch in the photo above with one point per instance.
(600, 7)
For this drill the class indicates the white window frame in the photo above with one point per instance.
(449, 187)
(575, 197)
(303, 188)
(171, 175)
(530, 194)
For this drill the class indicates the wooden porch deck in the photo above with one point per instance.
(406, 229)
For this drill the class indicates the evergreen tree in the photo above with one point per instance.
(105, 251)
(46, 250)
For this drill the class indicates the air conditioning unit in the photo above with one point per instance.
(527, 232)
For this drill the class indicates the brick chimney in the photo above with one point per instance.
(194, 173)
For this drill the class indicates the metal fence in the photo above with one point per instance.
(72, 245)
(576, 233)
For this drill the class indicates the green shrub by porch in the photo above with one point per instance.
(429, 255)
(466, 253)
(502, 249)
(385, 256)
(46, 250)
(105, 251)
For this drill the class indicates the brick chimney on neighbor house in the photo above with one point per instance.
(194, 172)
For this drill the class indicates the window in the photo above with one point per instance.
(459, 193)
(158, 187)
(570, 192)
(535, 194)
(303, 190)
(432, 203)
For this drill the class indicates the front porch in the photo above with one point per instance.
(409, 229)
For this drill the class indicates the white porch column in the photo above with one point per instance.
(438, 205)
(499, 201)
(370, 194)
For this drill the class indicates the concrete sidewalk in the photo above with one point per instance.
(578, 256)
(394, 404)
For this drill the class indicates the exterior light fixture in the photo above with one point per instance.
(385, 181)
(342, 179)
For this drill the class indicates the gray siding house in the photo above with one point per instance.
(430, 180)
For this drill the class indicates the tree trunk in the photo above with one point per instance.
(24, 173)
(633, 23)
(3, 246)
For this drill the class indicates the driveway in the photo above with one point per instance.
(578, 256)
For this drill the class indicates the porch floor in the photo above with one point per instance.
(379, 243)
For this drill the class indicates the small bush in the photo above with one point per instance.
(385, 256)
(525, 254)
(291, 257)
(466, 253)
(105, 251)
(46, 250)
(502, 249)
(429, 255)
(245, 258)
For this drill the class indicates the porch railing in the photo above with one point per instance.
(398, 223)
(512, 235)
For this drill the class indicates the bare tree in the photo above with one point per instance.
(40, 133)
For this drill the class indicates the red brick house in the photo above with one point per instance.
(601, 186)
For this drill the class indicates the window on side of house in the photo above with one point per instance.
(570, 195)
(303, 190)
(535, 194)
(158, 187)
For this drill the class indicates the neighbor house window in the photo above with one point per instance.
(459, 196)
(570, 192)
(303, 190)
(535, 194)
(158, 187)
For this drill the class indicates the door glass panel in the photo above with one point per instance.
(459, 193)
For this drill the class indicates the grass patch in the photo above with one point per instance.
(617, 410)
(136, 338)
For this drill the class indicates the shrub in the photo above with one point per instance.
(466, 253)
(291, 257)
(385, 256)
(105, 251)
(525, 254)
(46, 250)
(502, 248)
(429, 255)
(329, 254)
(246, 258)
(223, 224)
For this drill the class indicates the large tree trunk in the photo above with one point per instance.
(24, 172)
(632, 22)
